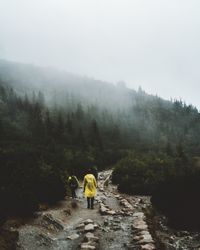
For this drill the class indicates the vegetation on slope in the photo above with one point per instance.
(52, 122)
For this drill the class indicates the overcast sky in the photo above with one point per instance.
(151, 43)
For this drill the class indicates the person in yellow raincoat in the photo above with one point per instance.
(90, 189)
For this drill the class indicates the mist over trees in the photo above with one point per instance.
(52, 122)
(146, 121)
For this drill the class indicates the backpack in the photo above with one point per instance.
(73, 182)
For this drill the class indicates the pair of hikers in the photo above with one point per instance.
(89, 187)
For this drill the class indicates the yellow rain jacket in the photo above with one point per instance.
(89, 185)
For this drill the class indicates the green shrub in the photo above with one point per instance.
(141, 173)
(178, 199)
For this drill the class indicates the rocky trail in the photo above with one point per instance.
(118, 221)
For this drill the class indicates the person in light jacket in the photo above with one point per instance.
(90, 189)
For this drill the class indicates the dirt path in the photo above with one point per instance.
(116, 222)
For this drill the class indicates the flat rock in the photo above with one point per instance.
(144, 232)
(111, 212)
(129, 213)
(147, 237)
(123, 201)
(122, 212)
(89, 234)
(88, 221)
(128, 205)
(73, 236)
(137, 238)
(44, 239)
(90, 237)
(49, 222)
(89, 227)
(140, 225)
(103, 209)
(80, 226)
(145, 241)
(87, 246)
(138, 220)
(98, 199)
(139, 215)
(148, 247)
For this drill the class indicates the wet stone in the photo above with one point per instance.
(98, 199)
(146, 238)
(90, 237)
(80, 226)
(148, 247)
(103, 210)
(146, 241)
(144, 233)
(139, 215)
(89, 234)
(129, 213)
(49, 222)
(87, 246)
(123, 201)
(140, 226)
(89, 227)
(73, 236)
(111, 212)
(88, 221)
(44, 239)
(137, 238)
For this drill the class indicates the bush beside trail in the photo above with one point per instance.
(27, 181)
(141, 173)
(178, 199)
(172, 181)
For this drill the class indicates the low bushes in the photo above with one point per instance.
(178, 199)
(141, 173)
(26, 180)
(172, 181)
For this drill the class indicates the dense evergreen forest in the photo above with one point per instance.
(53, 122)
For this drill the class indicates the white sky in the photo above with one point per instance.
(152, 43)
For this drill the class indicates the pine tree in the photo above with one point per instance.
(94, 135)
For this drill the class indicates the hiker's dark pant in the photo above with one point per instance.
(73, 191)
(90, 202)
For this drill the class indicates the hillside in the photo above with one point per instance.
(151, 121)
(59, 86)
(53, 123)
